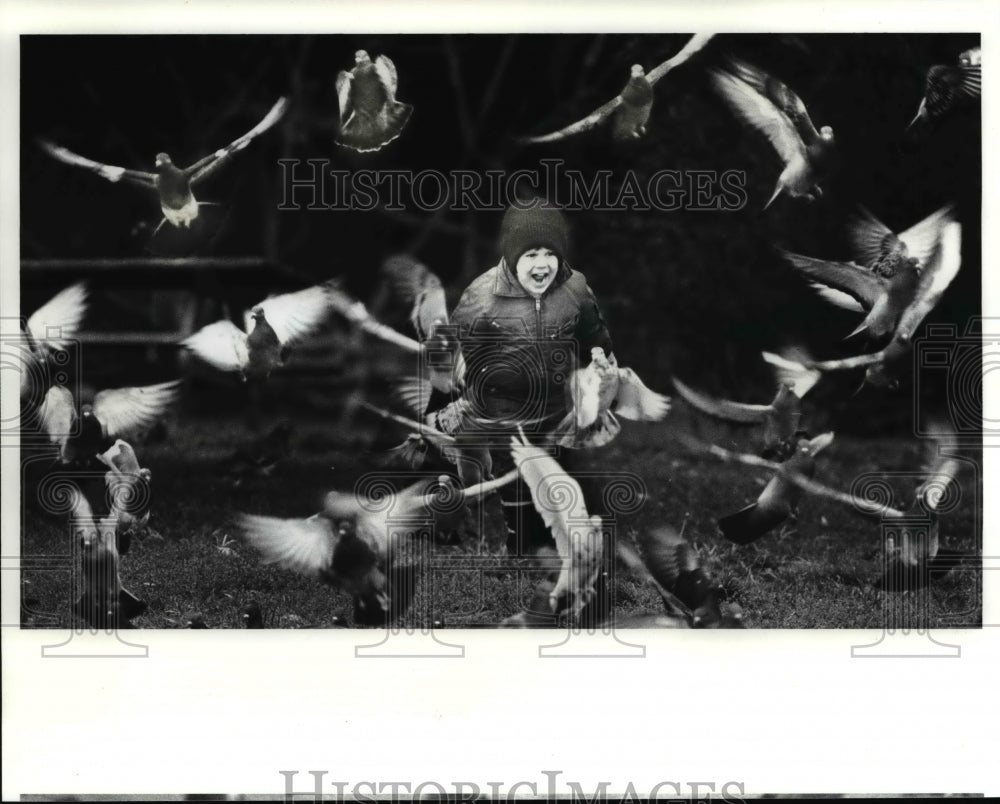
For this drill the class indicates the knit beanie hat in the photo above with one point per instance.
(537, 227)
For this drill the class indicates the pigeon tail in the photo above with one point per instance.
(774, 195)
(363, 133)
(750, 523)
(921, 113)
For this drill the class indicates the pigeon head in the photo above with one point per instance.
(163, 160)
(637, 71)
(257, 313)
(361, 57)
(826, 134)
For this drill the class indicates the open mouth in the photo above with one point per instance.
(539, 277)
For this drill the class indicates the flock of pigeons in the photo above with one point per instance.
(894, 281)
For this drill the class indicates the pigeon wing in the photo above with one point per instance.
(110, 172)
(222, 345)
(57, 414)
(760, 113)
(304, 546)
(386, 72)
(869, 238)
(723, 408)
(858, 282)
(344, 83)
(203, 169)
(934, 280)
(124, 412)
(592, 120)
(694, 44)
(778, 93)
(585, 393)
(922, 238)
(56, 321)
(637, 402)
(295, 315)
(791, 369)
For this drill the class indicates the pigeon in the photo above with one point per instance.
(919, 557)
(440, 355)
(772, 108)
(349, 543)
(423, 290)
(172, 184)
(881, 368)
(781, 419)
(370, 115)
(779, 497)
(259, 458)
(272, 326)
(115, 413)
(579, 537)
(414, 449)
(49, 330)
(252, 616)
(195, 620)
(671, 566)
(630, 109)
(104, 603)
(948, 86)
(890, 277)
(597, 394)
(128, 489)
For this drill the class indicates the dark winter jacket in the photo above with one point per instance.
(520, 351)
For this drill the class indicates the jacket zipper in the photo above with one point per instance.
(538, 318)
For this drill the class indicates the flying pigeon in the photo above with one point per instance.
(919, 557)
(349, 543)
(579, 537)
(128, 490)
(630, 109)
(891, 275)
(440, 355)
(772, 108)
(48, 330)
(881, 367)
(370, 115)
(104, 602)
(413, 450)
(950, 85)
(598, 393)
(172, 184)
(272, 326)
(779, 497)
(781, 419)
(115, 413)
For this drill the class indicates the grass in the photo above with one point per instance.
(818, 571)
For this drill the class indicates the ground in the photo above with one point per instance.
(819, 571)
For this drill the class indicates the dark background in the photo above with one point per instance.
(696, 293)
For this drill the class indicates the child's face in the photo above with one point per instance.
(536, 269)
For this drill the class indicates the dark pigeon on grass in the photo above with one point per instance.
(172, 184)
(252, 616)
(629, 110)
(370, 115)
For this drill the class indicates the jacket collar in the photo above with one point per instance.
(506, 283)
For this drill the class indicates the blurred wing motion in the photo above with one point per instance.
(637, 402)
(592, 120)
(790, 371)
(222, 156)
(304, 546)
(934, 281)
(949, 85)
(579, 537)
(109, 172)
(292, 316)
(222, 345)
(57, 414)
(693, 46)
(126, 412)
(723, 408)
(871, 240)
(853, 287)
(54, 323)
(415, 283)
(435, 437)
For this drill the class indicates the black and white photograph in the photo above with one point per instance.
(405, 343)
